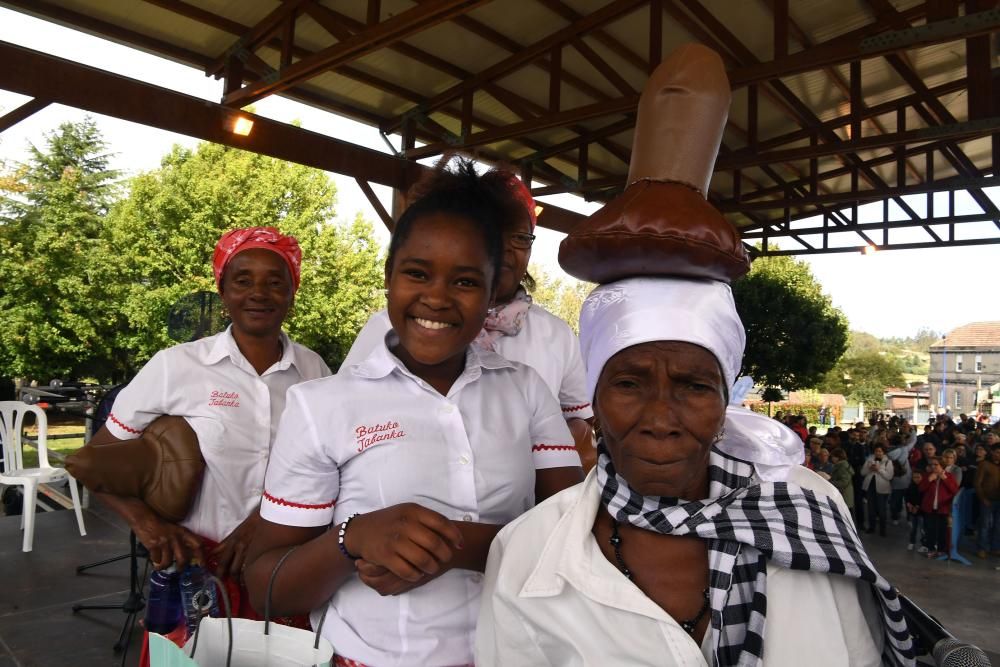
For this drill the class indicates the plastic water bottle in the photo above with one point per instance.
(163, 608)
(198, 596)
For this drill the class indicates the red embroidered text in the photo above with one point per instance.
(224, 399)
(376, 433)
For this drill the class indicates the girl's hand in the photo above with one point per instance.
(407, 540)
(385, 582)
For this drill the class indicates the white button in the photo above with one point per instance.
(463, 460)
(448, 409)
(467, 517)
(476, 578)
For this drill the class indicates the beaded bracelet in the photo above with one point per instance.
(340, 537)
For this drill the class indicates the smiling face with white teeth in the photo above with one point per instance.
(439, 290)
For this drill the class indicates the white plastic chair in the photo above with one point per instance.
(15, 474)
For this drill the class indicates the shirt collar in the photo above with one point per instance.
(381, 362)
(225, 346)
(571, 556)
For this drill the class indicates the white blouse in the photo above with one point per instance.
(552, 598)
(375, 435)
(545, 343)
(233, 410)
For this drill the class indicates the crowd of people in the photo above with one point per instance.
(887, 473)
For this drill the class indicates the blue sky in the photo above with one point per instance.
(890, 293)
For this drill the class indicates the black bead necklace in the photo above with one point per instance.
(616, 544)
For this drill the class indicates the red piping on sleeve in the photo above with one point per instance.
(557, 448)
(301, 506)
(121, 425)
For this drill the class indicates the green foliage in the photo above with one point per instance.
(809, 410)
(772, 394)
(563, 297)
(863, 377)
(794, 334)
(88, 278)
(56, 322)
(164, 233)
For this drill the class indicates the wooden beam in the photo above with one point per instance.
(15, 116)
(528, 126)
(606, 70)
(610, 11)
(602, 37)
(780, 11)
(377, 37)
(366, 189)
(33, 73)
(840, 50)
(957, 183)
(257, 35)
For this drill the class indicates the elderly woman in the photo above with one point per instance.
(673, 552)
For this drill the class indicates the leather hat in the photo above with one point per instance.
(662, 224)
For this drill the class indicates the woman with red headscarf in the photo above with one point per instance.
(231, 390)
(517, 328)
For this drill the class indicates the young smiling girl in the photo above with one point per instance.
(417, 456)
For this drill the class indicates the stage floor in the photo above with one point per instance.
(37, 589)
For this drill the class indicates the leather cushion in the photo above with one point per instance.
(654, 228)
(163, 467)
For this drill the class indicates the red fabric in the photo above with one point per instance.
(236, 241)
(519, 191)
(947, 489)
(801, 431)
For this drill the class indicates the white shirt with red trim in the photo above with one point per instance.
(375, 435)
(545, 343)
(233, 411)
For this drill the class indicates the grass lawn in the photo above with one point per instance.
(56, 447)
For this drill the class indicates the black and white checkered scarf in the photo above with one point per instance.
(748, 523)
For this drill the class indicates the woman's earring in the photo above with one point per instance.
(597, 429)
(719, 436)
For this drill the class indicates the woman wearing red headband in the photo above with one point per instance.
(231, 390)
(516, 328)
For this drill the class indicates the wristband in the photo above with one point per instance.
(341, 532)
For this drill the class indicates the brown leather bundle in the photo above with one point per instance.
(163, 467)
(662, 224)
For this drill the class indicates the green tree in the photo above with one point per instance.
(56, 323)
(164, 232)
(864, 377)
(794, 333)
(561, 296)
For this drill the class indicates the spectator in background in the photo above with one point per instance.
(877, 486)
(900, 445)
(948, 462)
(812, 456)
(824, 468)
(988, 494)
(798, 424)
(842, 476)
(857, 452)
(916, 517)
(928, 452)
(936, 491)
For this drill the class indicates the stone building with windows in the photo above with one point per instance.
(964, 362)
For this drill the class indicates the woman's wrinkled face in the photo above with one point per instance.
(257, 290)
(660, 407)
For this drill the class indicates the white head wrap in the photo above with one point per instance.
(628, 312)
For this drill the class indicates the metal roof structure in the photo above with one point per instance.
(836, 104)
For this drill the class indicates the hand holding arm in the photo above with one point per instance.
(231, 553)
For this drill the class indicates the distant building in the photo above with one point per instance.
(912, 403)
(963, 363)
